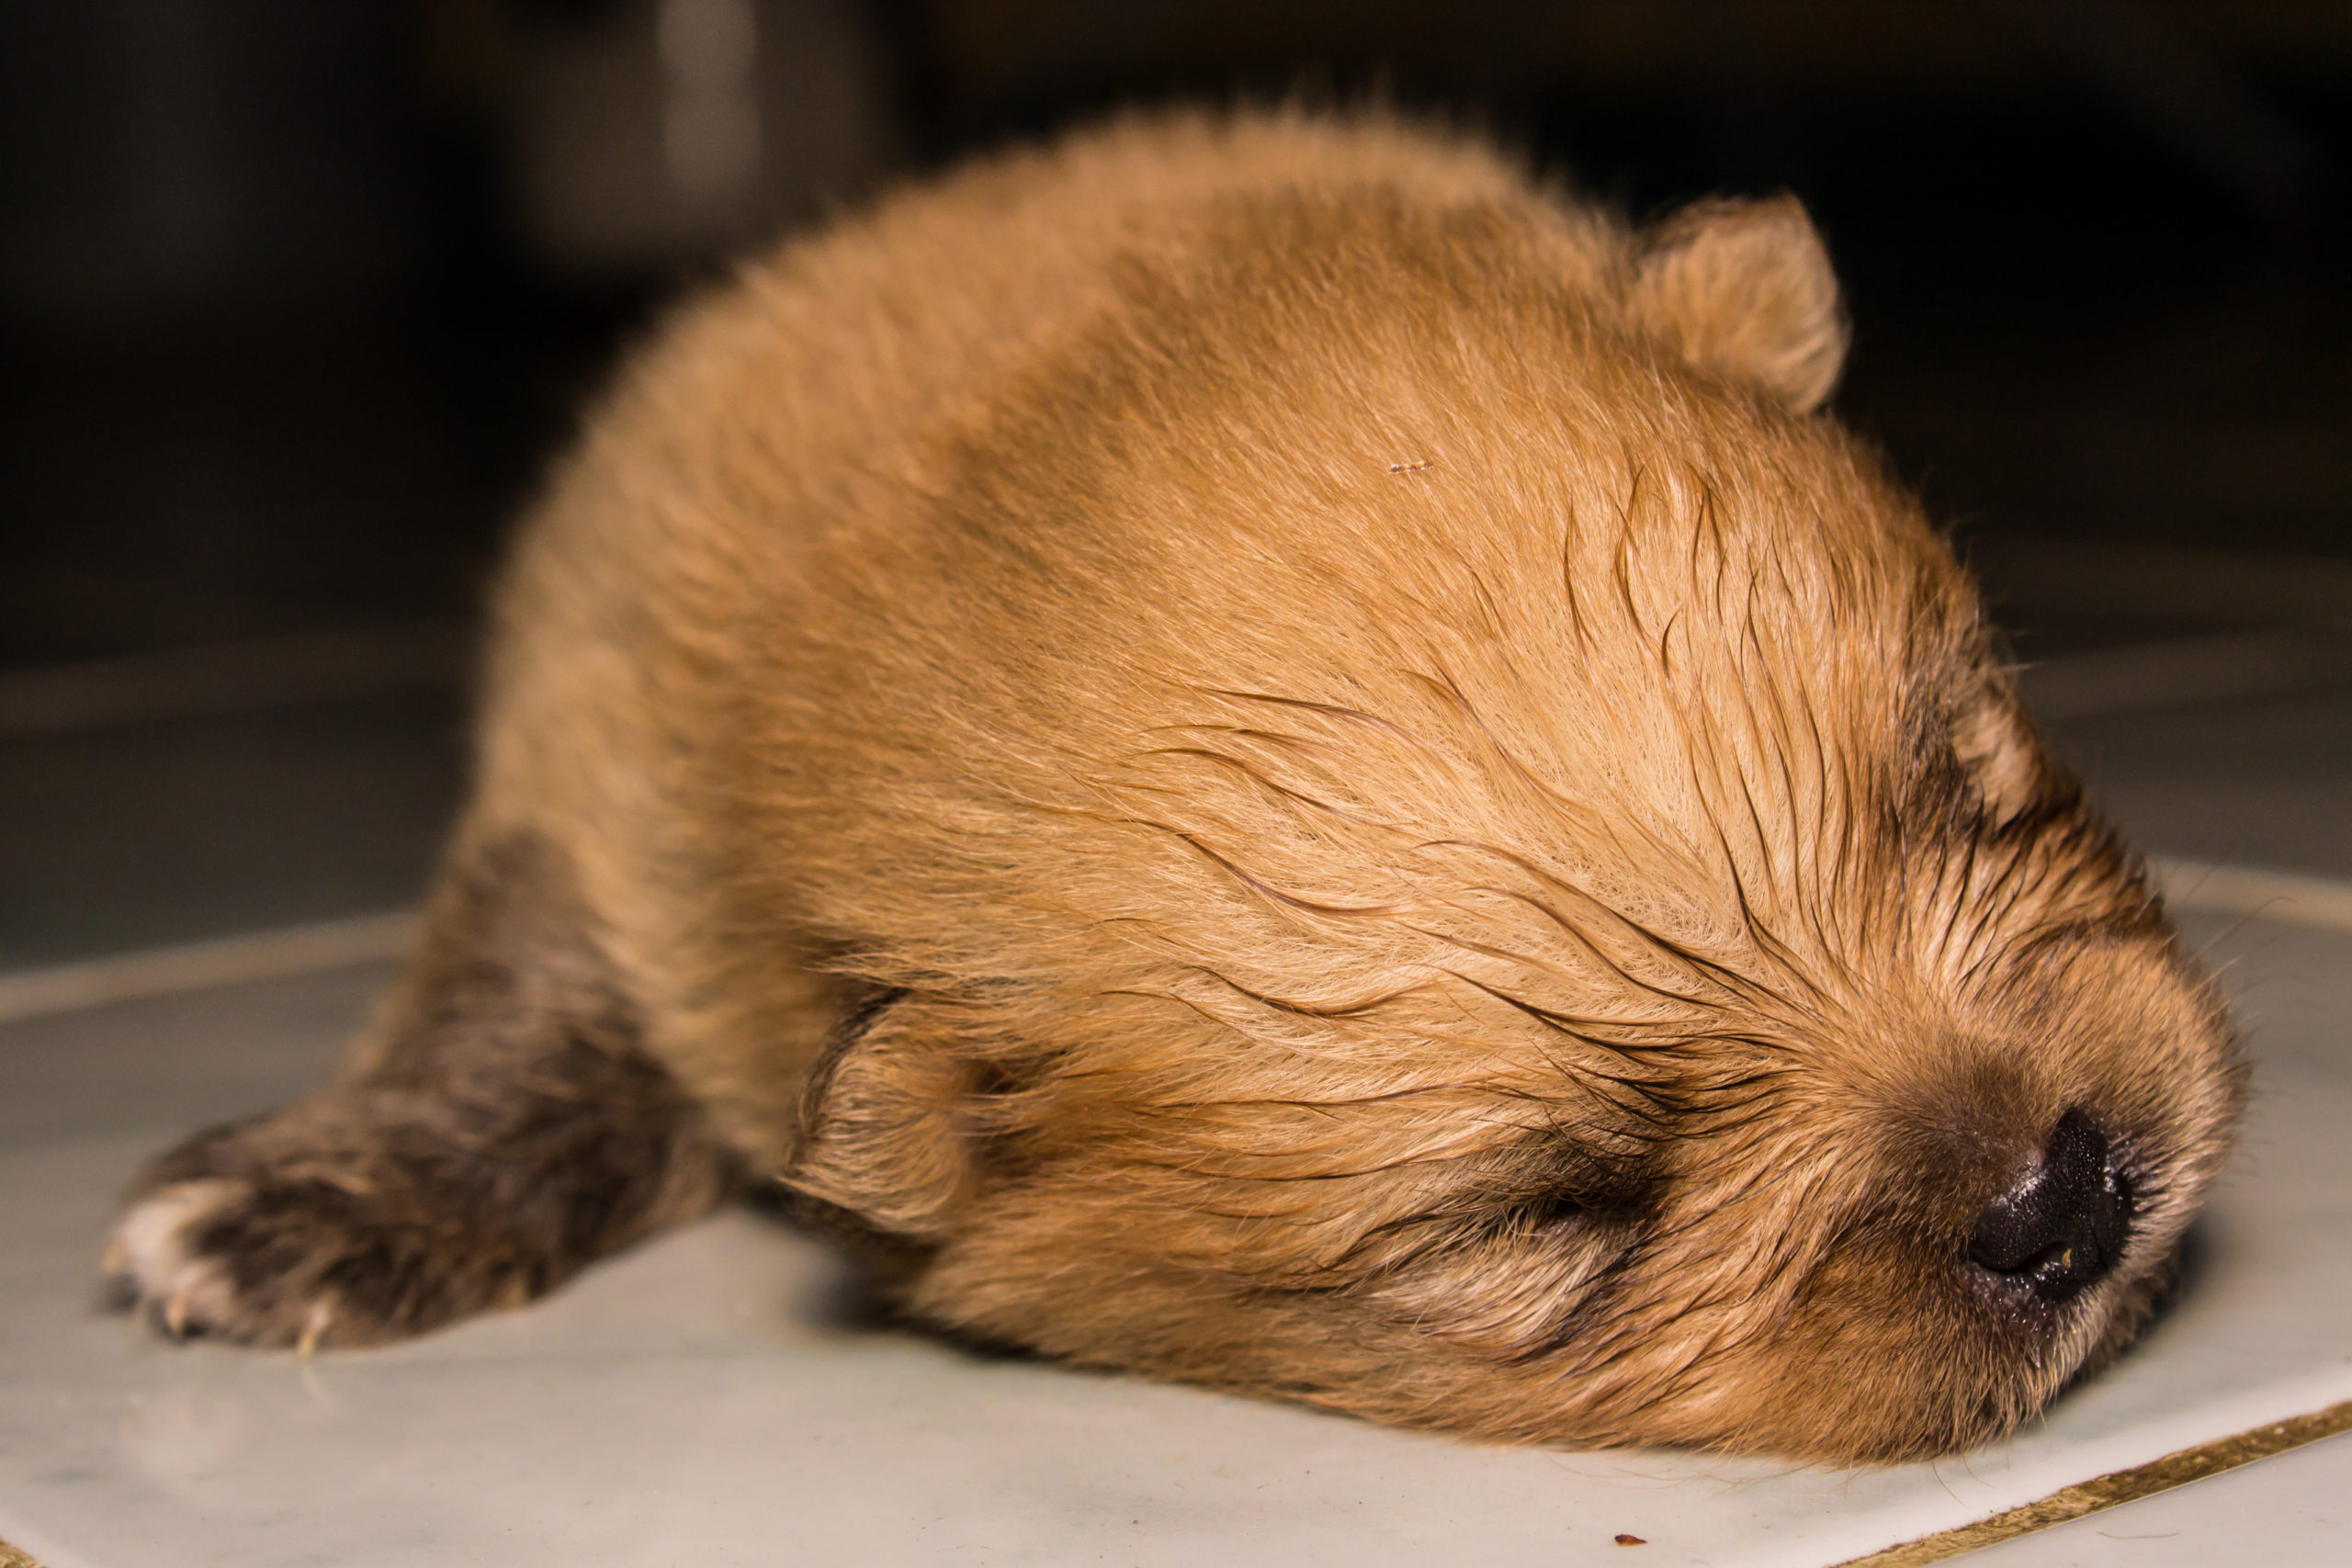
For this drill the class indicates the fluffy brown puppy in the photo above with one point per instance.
(1289, 761)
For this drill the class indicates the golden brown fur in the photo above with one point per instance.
(1304, 766)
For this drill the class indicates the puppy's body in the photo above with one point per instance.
(1294, 764)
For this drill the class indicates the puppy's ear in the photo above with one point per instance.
(890, 1123)
(1745, 290)
(1996, 742)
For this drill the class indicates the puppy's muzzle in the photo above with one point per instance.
(2061, 1229)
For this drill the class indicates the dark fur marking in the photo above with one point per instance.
(511, 1129)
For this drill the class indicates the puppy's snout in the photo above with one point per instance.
(2061, 1229)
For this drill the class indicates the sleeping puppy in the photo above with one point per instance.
(1268, 754)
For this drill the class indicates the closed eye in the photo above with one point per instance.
(1589, 1196)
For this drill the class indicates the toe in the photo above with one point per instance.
(154, 1249)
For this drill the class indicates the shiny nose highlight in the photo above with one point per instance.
(2061, 1229)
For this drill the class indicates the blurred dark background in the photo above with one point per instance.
(298, 297)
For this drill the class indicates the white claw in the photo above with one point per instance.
(322, 1316)
(176, 1316)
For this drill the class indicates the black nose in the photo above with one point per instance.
(2059, 1229)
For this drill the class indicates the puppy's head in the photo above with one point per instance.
(1628, 973)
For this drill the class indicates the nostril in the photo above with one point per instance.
(2061, 1229)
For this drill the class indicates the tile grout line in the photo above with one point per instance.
(253, 676)
(2285, 897)
(2191, 886)
(202, 966)
(2169, 672)
(2102, 1493)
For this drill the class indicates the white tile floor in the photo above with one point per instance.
(709, 1399)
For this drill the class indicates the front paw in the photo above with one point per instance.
(258, 1237)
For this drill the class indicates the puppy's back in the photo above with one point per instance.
(681, 607)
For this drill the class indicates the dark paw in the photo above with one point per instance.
(308, 1255)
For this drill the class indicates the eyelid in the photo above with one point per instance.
(1599, 1192)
